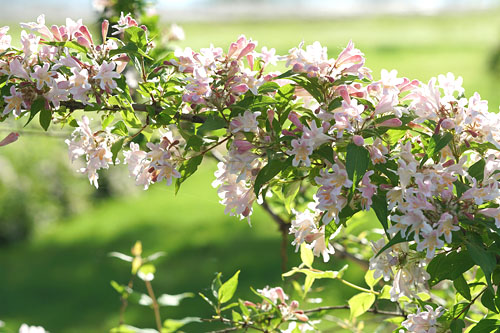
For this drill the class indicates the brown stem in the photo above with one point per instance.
(73, 105)
(125, 302)
(243, 324)
(156, 307)
(346, 307)
(215, 145)
(343, 254)
(469, 305)
(283, 227)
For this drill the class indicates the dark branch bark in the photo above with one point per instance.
(346, 307)
(73, 105)
(341, 253)
(283, 227)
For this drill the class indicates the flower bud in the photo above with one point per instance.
(294, 118)
(104, 30)
(358, 140)
(83, 29)
(448, 163)
(12, 137)
(301, 316)
(393, 122)
(447, 124)
(249, 48)
(242, 146)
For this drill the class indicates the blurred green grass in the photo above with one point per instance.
(60, 278)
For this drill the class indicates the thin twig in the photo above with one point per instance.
(125, 302)
(194, 118)
(156, 307)
(347, 307)
(342, 253)
(283, 227)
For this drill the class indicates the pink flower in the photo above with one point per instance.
(302, 149)
(106, 75)
(43, 76)
(247, 122)
(14, 102)
(123, 23)
(367, 190)
(5, 39)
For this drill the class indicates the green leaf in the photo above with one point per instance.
(482, 257)
(36, 106)
(69, 44)
(146, 272)
(330, 229)
(457, 326)
(172, 325)
(125, 90)
(306, 255)
(360, 303)
(173, 300)
(45, 118)
(120, 129)
(187, 169)
(458, 309)
(462, 287)
(336, 103)
(476, 170)
(488, 300)
(290, 192)
(136, 36)
(107, 121)
(326, 152)
(456, 264)
(437, 143)
(129, 117)
(212, 123)
(370, 279)
(357, 160)
(195, 142)
(380, 207)
(206, 299)
(486, 326)
(228, 288)
(115, 148)
(270, 170)
(393, 241)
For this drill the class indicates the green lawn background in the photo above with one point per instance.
(60, 277)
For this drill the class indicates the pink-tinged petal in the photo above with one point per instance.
(12, 137)
(358, 140)
(104, 30)
(393, 122)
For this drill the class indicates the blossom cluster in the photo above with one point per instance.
(215, 79)
(422, 156)
(50, 70)
(288, 312)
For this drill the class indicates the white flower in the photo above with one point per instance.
(96, 149)
(176, 33)
(31, 329)
(246, 122)
(302, 148)
(80, 84)
(106, 75)
(423, 321)
(43, 76)
(14, 102)
(5, 39)
(302, 225)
